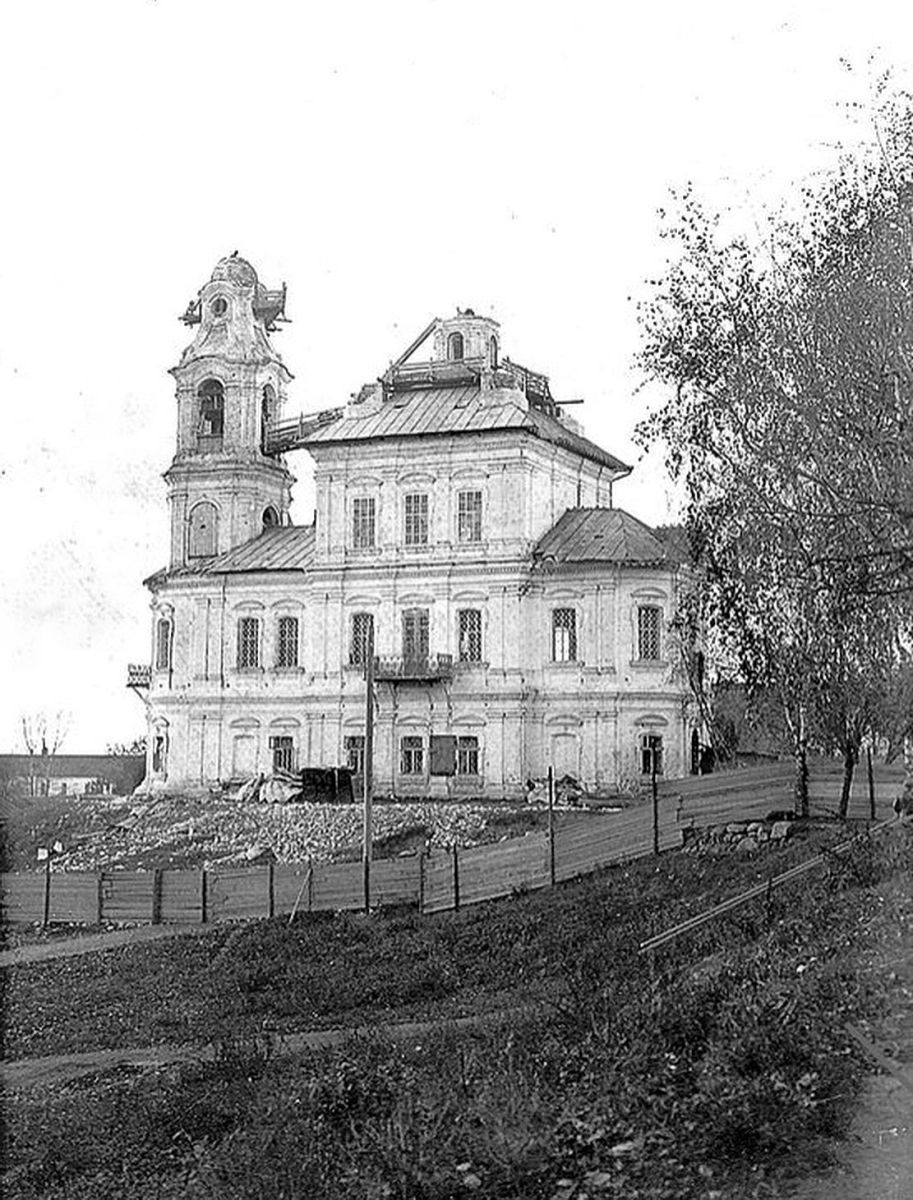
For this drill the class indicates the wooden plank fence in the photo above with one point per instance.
(443, 880)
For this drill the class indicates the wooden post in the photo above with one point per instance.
(368, 774)
(100, 899)
(157, 896)
(45, 921)
(871, 773)
(551, 825)
(456, 878)
(271, 891)
(203, 896)
(655, 792)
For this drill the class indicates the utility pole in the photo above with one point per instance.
(655, 792)
(368, 771)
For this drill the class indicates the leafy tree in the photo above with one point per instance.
(789, 420)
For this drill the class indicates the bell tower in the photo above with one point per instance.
(223, 489)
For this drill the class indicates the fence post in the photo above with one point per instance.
(551, 825)
(868, 757)
(100, 898)
(310, 882)
(47, 891)
(654, 790)
(421, 881)
(157, 896)
(203, 897)
(270, 883)
(456, 878)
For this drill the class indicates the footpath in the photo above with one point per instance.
(90, 943)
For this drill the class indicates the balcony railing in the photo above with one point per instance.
(414, 669)
(138, 676)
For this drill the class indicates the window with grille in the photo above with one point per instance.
(415, 634)
(283, 748)
(469, 516)
(564, 635)
(362, 635)
(163, 644)
(469, 634)
(363, 522)
(355, 753)
(248, 643)
(412, 756)
(416, 519)
(651, 754)
(467, 762)
(648, 622)
(287, 648)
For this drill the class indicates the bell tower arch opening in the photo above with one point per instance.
(203, 530)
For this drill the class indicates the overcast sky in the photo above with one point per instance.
(390, 161)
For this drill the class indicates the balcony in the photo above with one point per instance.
(429, 669)
(138, 676)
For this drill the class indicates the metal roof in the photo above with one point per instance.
(448, 410)
(285, 548)
(601, 535)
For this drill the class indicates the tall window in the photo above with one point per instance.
(203, 536)
(248, 643)
(361, 637)
(416, 513)
(287, 648)
(469, 516)
(159, 750)
(648, 623)
(564, 635)
(163, 644)
(455, 346)
(267, 413)
(415, 633)
(469, 635)
(467, 761)
(651, 754)
(363, 522)
(412, 756)
(283, 748)
(493, 352)
(355, 753)
(211, 425)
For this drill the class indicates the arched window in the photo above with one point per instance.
(493, 353)
(270, 517)
(267, 413)
(455, 346)
(211, 425)
(203, 538)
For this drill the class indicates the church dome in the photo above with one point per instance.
(236, 270)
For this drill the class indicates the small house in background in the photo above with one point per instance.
(72, 774)
(465, 528)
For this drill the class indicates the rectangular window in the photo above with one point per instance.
(163, 644)
(361, 638)
(363, 522)
(248, 643)
(411, 756)
(564, 635)
(469, 517)
(467, 756)
(416, 513)
(469, 635)
(355, 753)
(648, 622)
(415, 634)
(283, 748)
(287, 648)
(651, 754)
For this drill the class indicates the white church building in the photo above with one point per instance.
(463, 522)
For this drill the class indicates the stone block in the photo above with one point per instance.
(780, 830)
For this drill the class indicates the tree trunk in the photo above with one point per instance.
(801, 755)
(850, 757)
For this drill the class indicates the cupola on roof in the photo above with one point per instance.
(235, 269)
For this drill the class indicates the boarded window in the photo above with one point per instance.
(467, 762)
(469, 516)
(455, 346)
(412, 756)
(248, 643)
(416, 514)
(361, 639)
(203, 537)
(469, 635)
(651, 754)
(283, 748)
(648, 624)
(363, 529)
(443, 754)
(415, 634)
(564, 635)
(163, 644)
(355, 753)
(287, 648)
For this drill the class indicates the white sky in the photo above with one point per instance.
(390, 161)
